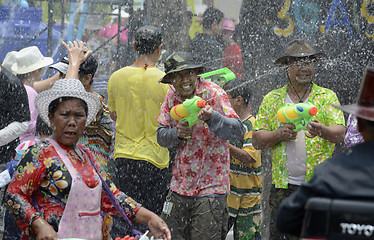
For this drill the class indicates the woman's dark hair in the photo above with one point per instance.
(42, 129)
(238, 87)
(54, 104)
(210, 16)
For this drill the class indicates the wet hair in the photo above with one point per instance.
(52, 108)
(238, 87)
(210, 16)
(89, 66)
(42, 129)
(147, 39)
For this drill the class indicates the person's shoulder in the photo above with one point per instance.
(323, 90)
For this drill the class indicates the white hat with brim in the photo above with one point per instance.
(30, 59)
(67, 88)
(61, 67)
(365, 105)
(9, 60)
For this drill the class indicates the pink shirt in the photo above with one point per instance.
(202, 161)
(30, 134)
(111, 30)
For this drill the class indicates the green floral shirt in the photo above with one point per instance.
(317, 149)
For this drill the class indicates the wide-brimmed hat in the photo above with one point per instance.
(9, 60)
(30, 59)
(177, 62)
(297, 48)
(67, 88)
(365, 103)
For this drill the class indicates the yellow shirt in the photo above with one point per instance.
(136, 96)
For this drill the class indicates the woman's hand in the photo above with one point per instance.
(77, 52)
(158, 228)
(43, 230)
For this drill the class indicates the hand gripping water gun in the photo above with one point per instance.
(297, 114)
(188, 110)
(220, 76)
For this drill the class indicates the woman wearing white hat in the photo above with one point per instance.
(29, 67)
(63, 177)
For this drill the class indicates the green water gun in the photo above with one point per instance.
(188, 110)
(299, 114)
(219, 76)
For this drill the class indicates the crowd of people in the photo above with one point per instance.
(73, 177)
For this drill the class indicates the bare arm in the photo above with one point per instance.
(46, 84)
(43, 230)
(113, 116)
(263, 139)
(156, 225)
(241, 155)
(334, 134)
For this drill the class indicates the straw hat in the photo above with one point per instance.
(297, 48)
(67, 88)
(365, 107)
(30, 59)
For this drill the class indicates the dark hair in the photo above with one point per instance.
(23, 77)
(42, 128)
(147, 39)
(89, 66)
(210, 16)
(238, 87)
(54, 104)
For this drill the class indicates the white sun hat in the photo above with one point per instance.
(67, 88)
(30, 59)
(9, 60)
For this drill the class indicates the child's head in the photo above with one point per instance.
(42, 129)
(239, 93)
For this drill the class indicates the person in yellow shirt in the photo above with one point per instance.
(245, 168)
(134, 100)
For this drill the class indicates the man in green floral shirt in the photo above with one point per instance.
(295, 154)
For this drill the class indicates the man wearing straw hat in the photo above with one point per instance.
(348, 175)
(295, 154)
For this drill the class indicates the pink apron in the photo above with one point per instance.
(81, 217)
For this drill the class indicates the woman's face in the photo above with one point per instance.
(69, 121)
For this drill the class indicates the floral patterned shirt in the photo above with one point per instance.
(202, 162)
(317, 148)
(352, 136)
(41, 175)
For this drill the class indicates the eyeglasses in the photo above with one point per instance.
(178, 76)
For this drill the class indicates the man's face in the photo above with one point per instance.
(184, 82)
(301, 70)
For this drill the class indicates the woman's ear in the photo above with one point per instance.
(51, 120)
